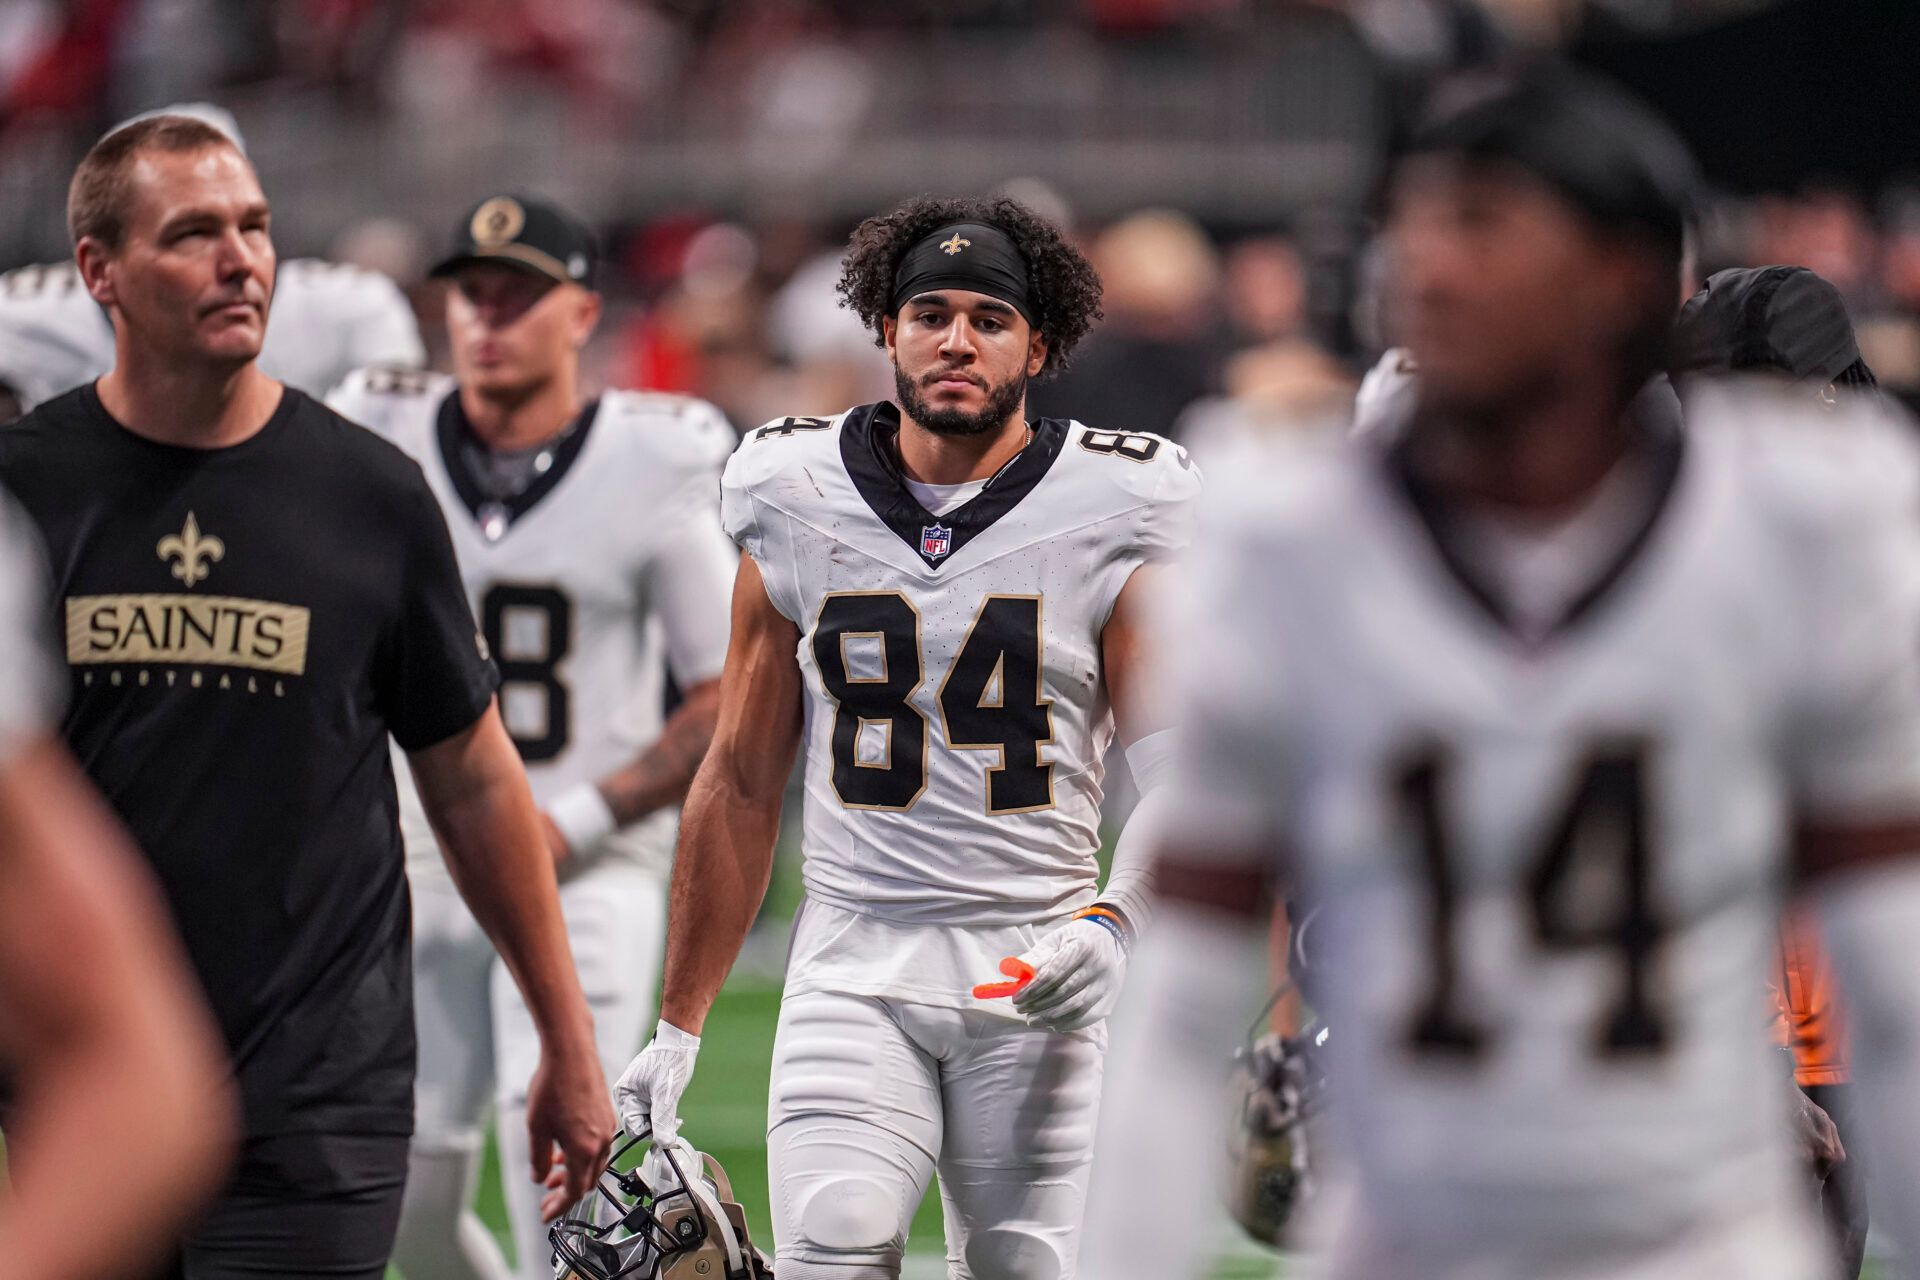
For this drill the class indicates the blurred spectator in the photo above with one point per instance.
(1826, 231)
(832, 354)
(1159, 347)
(1266, 291)
(55, 57)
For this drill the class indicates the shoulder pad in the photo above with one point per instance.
(1147, 475)
(782, 428)
(1287, 486)
(679, 430)
(774, 446)
(378, 396)
(42, 280)
(319, 274)
(1814, 469)
(397, 382)
(1138, 462)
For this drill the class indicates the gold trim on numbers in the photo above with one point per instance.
(1044, 703)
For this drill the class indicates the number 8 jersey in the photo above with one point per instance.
(956, 710)
(603, 574)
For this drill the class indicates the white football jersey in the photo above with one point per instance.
(1549, 868)
(327, 320)
(29, 683)
(612, 570)
(53, 335)
(956, 710)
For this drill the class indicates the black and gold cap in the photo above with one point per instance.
(527, 232)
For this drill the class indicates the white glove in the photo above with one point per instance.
(648, 1091)
(1077, 970)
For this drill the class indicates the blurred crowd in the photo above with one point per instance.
(733, 300)
(746, 315)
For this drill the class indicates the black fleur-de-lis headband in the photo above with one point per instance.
(964, 255)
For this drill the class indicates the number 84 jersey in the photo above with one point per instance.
(956, 709)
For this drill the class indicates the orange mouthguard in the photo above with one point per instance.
(1014, 967)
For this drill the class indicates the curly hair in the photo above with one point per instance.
(1064, 288)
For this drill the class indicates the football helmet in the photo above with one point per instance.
(670, 1215)
(1277, 1088)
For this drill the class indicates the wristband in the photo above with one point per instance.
(582, 816)
(1108, 918)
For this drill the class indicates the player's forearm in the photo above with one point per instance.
(664, 771)
(491, 839)
(720, 876)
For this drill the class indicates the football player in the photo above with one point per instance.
(940, 599)
(1529, 701)
(588, 534)
(327, 320)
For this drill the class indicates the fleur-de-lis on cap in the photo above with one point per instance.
(954, 244)
(191, 551)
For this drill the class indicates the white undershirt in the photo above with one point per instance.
(942, 498)
(1540, 568)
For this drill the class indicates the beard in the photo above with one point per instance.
(1002, 403)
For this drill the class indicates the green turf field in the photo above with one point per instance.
(725, 1113)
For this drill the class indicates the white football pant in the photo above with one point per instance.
(870, 1095)
(478, 1045)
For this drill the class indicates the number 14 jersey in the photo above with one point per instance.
(1548, 867)
(956, 707)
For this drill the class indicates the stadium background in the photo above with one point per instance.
(1218, 158)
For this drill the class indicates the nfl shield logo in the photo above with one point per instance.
(935, 541)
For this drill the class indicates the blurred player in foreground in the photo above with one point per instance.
(328, 320)
(1787, 322)
(939, 597)
(255, 594)
(1529, 702)
(588, 535)
(99, 1018)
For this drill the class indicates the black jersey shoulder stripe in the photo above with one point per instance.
(451, 427)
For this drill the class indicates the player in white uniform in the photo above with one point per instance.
(590, 541)
(1529, 702)
(327, 320)
(938, 599)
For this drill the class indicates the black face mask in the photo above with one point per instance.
(1002, 402)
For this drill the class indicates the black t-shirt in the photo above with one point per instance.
(244, 627)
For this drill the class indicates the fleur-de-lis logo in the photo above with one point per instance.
(191, 551)
(497, 221)
(954, 244)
